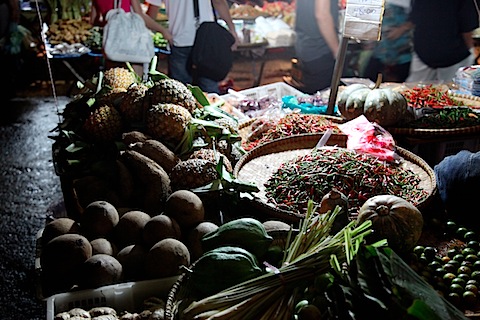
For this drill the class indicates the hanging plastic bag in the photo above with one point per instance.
(126, 38)
(370, 138)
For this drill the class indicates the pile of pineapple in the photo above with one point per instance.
(132, 142)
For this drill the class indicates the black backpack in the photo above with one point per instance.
(211, 55)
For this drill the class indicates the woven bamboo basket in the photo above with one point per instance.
(259, 164)
(419, 133)
(245, 128)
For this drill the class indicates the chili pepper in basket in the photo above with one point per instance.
(359, 176)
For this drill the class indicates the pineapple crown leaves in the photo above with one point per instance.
(205, 129)
(226, 181)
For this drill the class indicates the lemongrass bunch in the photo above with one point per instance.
(313, 251)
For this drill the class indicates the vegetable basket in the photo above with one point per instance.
(261, 162)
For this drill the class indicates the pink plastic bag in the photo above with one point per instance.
(370, 138)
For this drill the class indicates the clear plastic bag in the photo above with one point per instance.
(370, 138)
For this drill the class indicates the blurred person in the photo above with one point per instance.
(9, 20)
(181, 20)
(97, 18)
(442, 38)
(317, 43)
(391, 56)
(9, 13)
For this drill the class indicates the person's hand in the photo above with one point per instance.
(237, 41)
(167, 35)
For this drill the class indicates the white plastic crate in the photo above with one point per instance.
(277, 90)
(128, 296)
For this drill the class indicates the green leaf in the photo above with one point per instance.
(199, 95)
(422, 311)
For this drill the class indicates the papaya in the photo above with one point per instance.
(247, 233)
(221, 268)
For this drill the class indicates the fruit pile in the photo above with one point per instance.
(133, 142)
(453, 268)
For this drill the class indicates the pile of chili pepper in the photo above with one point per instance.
(447, 118)
(292, 124)
(357, 176)
(447, 111)
(429, 96)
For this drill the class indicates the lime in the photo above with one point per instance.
(456, 288)
(454, 298)
(474, 244)
(475, 275)
(464, 269)
(468, 251)
(418, 250)
(461, 282)
(448, 277)
(471, 287)
(430, 253)
(469, 298)
(451, 226)
(461, 232)
(470, 235)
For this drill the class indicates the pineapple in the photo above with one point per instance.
(112, 97)
(213, 156)
(118, 78)
(192, 173)
(167, 122)
(134, 103)
(173, 91)
(104, 124)
(228, 124)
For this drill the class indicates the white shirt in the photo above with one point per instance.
(181, 19)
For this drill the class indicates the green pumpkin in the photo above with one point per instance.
(381, 105)
(394, 219)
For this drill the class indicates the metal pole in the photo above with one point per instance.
(337, 73)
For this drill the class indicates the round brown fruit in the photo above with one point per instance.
(194, 237)
(101, 270)
(58, 227)
(133, 259)
(105, 246)
(129, 229)
(61, 260)
(166, 257)
(160, 227)
(98, 219)
(186, 208)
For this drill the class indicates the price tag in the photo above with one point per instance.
(363, 19)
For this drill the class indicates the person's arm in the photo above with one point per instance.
(224, 12)
(326, 25)
(149, 22)
(152, 10)
(398, 31)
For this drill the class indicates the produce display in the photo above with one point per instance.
(448, 261)
(381, 105)
(442, 110)
(358, 176)
(245, 11)
(159, 41)
(69, 31)
(147, 167)
(266, 129)
(321, 275)
(421, 106)
(153, 309)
